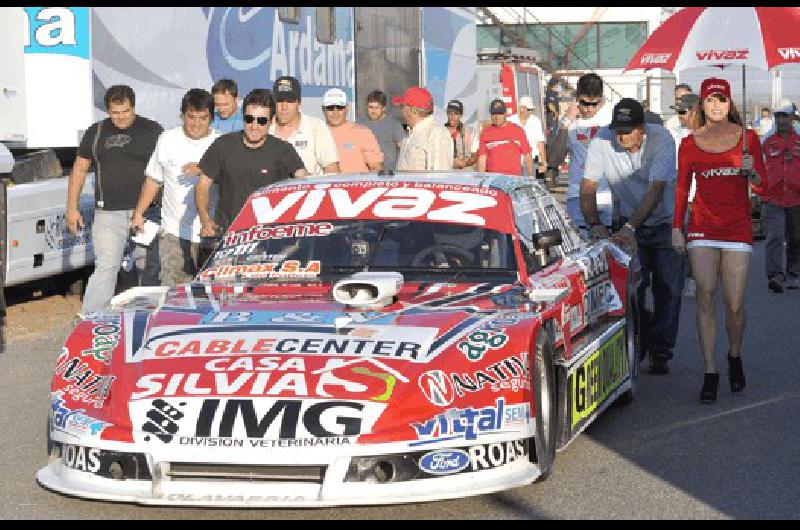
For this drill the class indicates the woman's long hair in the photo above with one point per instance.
(733, 113)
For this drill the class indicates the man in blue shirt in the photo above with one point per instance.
(637, 159)
(227, 114)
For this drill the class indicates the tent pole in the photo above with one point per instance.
(744, 110)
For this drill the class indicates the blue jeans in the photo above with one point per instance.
(664, 272)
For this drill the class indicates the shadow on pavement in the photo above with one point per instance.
(740, 455)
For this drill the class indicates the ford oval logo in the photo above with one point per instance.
(444, 462)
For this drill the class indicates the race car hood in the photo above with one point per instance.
(210, 356)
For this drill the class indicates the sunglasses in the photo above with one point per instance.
(584, 103)
(682, 112)
(262, 120)
(330, 108)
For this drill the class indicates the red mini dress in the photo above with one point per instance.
(721, 208)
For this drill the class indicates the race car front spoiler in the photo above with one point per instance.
(333, 491)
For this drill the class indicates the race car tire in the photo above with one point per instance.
(544, 388)
(633, 334)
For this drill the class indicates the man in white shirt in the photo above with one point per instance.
(173, 165)
(310, 136)
(429, 145)
(580, 124)
(532, 126)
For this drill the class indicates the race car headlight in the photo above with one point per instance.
(382, 469)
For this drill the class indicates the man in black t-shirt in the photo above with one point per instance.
(119, 148)
(242, 162)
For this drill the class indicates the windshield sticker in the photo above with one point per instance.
(264, 232)
(467, 205)
(287, 269)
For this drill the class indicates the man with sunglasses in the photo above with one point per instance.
(674, 121)
(780, 211)
(242, 162)
(310, 136)
(579, 125)
(637, 159)
(358, 148)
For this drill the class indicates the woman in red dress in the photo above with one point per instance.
(719, 236)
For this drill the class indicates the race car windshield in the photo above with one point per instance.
(302, 251)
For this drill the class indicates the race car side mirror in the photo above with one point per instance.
(542, 243)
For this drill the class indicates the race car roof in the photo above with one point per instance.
(497, 181)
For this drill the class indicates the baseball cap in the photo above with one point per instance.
(714, 85)
(627, 115)
(334, 96)
(527, 102)
(416, 96)
(286, 88)
(456, 106)
(497, 107)
(685, 102)
(785, 106)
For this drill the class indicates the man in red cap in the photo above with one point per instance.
(429, 146)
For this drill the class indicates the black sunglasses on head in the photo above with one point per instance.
(335, 107)
(585, 103)
(262, 120)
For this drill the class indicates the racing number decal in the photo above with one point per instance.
(479, 341)
(491, 336)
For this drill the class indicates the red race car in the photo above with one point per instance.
(352, 340)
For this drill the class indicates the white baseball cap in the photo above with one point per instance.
(527, 102)
(785, 106)
(334, 96)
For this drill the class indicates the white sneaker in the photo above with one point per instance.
(690, 288)
(792, 282)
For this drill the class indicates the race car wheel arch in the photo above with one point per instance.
(544, 383)
(633, 331)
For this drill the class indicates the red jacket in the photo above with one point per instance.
(781, 187)
(721, 207)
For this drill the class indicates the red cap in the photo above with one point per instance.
(416, 96)
(713, 85)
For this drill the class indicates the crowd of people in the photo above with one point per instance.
(193, 179)
(663, 190)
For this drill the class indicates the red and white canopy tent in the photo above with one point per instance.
(759, 37)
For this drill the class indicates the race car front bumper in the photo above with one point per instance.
(333, 489)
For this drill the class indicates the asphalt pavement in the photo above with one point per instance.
(664, 456)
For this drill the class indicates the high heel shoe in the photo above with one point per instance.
(736, 373)
(708, 394)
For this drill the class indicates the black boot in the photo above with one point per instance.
(708, 394)
(736, 373)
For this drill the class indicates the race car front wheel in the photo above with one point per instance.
(633, 333)
(544, 388)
